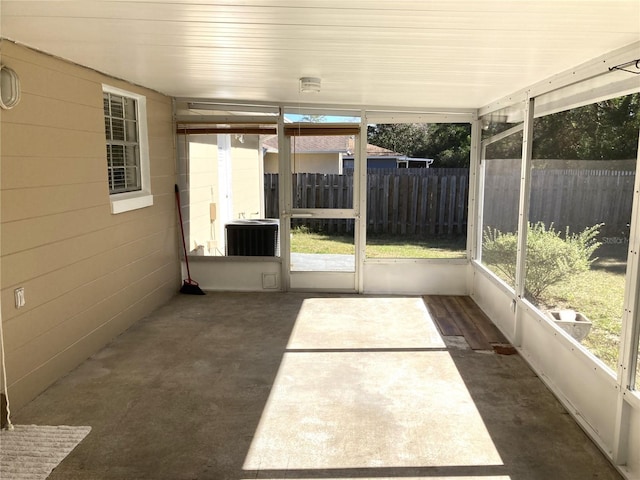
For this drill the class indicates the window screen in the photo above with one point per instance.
(123, 149)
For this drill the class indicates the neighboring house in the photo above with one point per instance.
(334, 154)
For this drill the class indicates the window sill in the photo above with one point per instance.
(125, 202)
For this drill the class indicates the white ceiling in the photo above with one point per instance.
(398, 53)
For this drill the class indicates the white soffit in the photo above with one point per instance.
(401, 53)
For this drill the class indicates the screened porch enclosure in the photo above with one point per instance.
(291, 193)
(545, 207)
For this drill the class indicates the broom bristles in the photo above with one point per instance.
(191, 288)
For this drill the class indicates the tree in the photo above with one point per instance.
(606, 130)
(313, 118)
(405, 138)
(551, 257)
(448, 144)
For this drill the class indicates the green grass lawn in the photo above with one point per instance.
(309, 242)
(378, 246)
(597, 294)
(385, 246)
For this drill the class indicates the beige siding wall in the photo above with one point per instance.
(247, 177)
(315, 162)
(306, 163)
(201, 159)
(271, 162)
(87, 274)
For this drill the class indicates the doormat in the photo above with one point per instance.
(31, 452)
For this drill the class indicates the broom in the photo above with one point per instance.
(190, 286)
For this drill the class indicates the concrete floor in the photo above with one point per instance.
(322, 262)
(250, 385)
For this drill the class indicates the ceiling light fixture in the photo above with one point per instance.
(310, 84)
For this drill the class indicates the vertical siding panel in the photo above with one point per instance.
(395, 201)
(432, 203)
(403, 203)
(424, 191)
(385, 204)
(414, 205)
(442, 203)
(451, 208)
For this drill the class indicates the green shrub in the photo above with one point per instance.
(550, 258)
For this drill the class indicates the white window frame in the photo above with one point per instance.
(124, 202)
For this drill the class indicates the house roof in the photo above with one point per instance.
(402, 54)
(329, 143)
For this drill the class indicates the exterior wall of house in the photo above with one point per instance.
(271, 162)
(87, 274)
(315, 162)
(306, 163)
(201, 157)
(247, 177)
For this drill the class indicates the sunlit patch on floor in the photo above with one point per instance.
(385, 398)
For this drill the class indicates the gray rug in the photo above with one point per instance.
(31, 452)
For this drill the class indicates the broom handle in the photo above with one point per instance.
(184, 245)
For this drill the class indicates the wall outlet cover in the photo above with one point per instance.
(19, 295)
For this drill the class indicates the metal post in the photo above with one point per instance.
(523, 219)
(284, 201)
(361, 208)
(630, 332)
(476, 188)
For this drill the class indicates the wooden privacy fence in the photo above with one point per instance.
(567, 198)
(428, 205)
(426, 202)
(433, 202)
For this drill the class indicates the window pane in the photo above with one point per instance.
(131, 156)
(502, 166)
(582, 182)
(417, 190)
(105, 104)
(117, 129)
(320, 116)
(117, 155)
(131, 131)
(318, 177)
(230, 198)
(107, 128)
(131, 179)
(118, 179)
(117, 110)
(130, 109)
(122, 142)
(322, 245)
